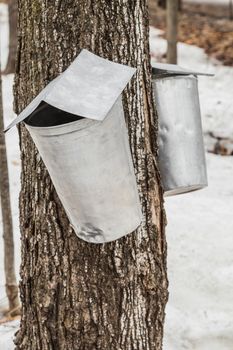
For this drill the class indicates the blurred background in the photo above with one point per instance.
(200, 224)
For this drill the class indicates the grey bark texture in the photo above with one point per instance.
(76, 295)
(5, 204)
(172, 29)
(12, 11)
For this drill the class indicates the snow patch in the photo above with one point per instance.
(7, 332)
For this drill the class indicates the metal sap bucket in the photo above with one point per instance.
(77, 123)
(181, 148)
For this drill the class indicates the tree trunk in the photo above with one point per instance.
(12, 10)
(231, 10)
(9, 266)
(163, 4)
(76, 295)
(172, 25)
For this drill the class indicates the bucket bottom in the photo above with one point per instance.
(183, 190)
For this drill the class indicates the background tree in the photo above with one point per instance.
(9, 267)
(77, 295)
(163, 4)
(12, 11)
(172, 28)
(231, 9)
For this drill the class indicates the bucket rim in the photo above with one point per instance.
(177, 76)
(80, 125)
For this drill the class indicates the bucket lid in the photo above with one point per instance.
(88, 87)
(170, 69)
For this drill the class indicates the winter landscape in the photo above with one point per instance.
(199, 314)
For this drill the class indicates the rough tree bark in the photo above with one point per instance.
(77, 295)
(172, 28)
(12, 10)
(8, 239)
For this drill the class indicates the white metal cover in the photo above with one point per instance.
(166, 68)
(88, 87)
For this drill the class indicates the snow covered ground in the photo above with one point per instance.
(200, 228)
(200, 263)
(12, 150)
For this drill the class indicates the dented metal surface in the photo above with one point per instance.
(181, 150)
(91, 168)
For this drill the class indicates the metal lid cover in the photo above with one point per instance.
(173, 69)
(89, 87)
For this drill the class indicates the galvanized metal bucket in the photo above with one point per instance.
(181, 149)
(77, 123)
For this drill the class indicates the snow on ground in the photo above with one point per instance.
(200, 263)
(7, 332)
(200, 228)
(4, 33)
(12, 149)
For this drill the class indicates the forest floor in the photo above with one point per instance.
(202, 24)
(200, 224)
